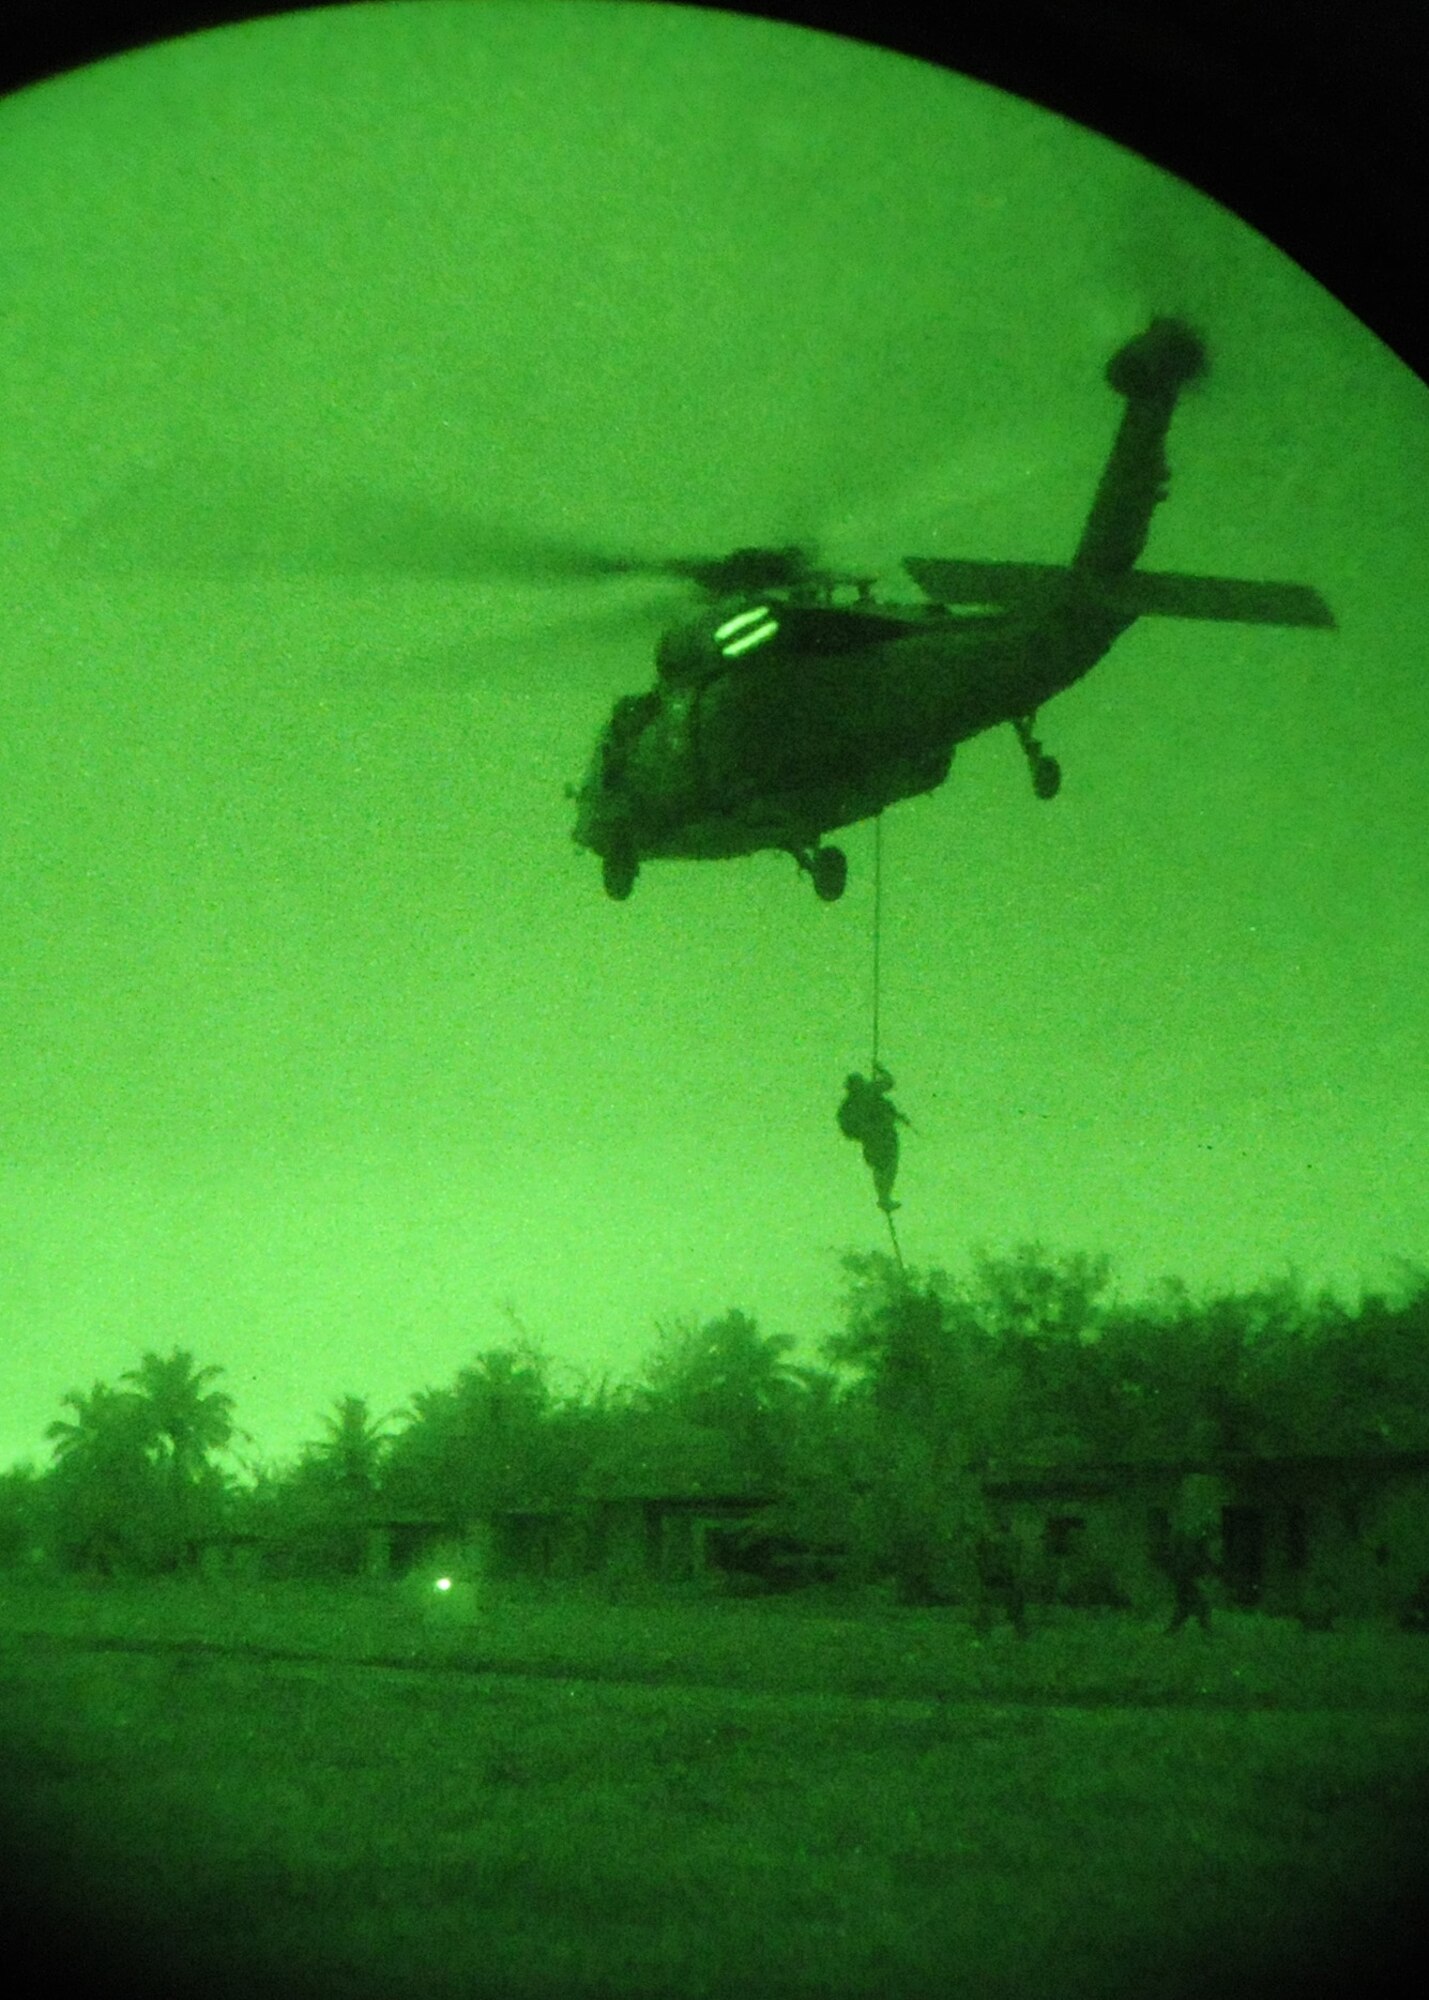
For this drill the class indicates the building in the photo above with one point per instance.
(1309, 1536)
(628, 1537)
(1312, 1536)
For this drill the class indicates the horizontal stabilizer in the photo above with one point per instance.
(1138, 593)
(1164, 594)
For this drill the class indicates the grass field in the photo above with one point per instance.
(365, 1791)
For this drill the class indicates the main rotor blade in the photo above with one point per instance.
(595, 653)
(216, 518)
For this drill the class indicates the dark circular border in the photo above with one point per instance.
(1301, 116)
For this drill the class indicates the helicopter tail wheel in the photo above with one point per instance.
(829, 868)
(618, 870)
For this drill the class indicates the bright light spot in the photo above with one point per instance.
(443, 1583)
(740, 620)
(757, 637)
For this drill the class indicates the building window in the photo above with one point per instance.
(1062, 1535)
(1297, 1536)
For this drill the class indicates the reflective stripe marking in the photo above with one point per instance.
(739, 621)
(756, 638)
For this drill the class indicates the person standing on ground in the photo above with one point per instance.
(1188, 1563)
(999, 1574)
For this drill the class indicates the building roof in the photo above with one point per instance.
(1112, 1471)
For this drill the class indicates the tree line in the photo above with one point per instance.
(877, 1454)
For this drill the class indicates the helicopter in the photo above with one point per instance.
(795, 703)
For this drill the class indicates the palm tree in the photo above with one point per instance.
(721, 1379)
(351, 1453)
(23, 1503)
(188, 1419)
(103, 1486)
(484, 1441)
(319, 1510)
(723, 1372)
(108, 1424)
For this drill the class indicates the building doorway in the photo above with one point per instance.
(1243, 1554)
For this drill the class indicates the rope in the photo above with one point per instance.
(877, 925)
(893, 1239)
(877, 990)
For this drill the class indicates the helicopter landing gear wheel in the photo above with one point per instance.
(828, 869)
(619, 866)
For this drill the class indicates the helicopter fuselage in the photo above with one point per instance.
(771, 724)
(781, 713)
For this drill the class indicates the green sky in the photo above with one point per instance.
(321, 1042)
